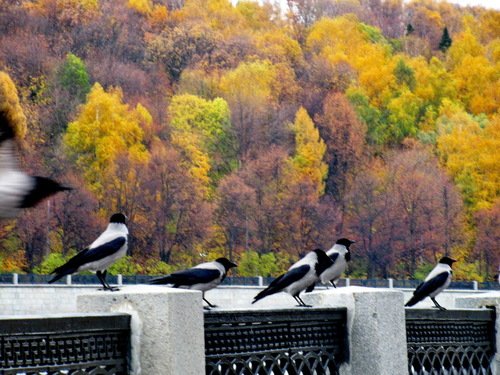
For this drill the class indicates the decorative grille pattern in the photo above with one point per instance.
(450, 342)
(275, 342)
(77, 345)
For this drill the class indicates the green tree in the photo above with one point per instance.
(202, 131)
(405, 75)
(254, 264)
(73, 77)
(445, 41)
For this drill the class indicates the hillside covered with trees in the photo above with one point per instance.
(258, 133)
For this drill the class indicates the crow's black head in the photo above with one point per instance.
(447, 260)
(226, 263)
(118, 218)
(344, 241)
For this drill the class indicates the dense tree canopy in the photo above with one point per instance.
(238, 129)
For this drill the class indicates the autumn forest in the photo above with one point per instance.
(258, 133)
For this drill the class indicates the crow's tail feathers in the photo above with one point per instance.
(60, 272)
(413, 301)
(266, 292)
(162, 280)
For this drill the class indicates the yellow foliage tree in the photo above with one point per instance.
(9, 103)
(307, 162)
(475, 73)
(469, 150)
(141, 6)
(345, 39)
(105, 129)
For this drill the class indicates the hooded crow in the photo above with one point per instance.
(18, 190)
(437, 280)
(340, 255)
(204, 276)
(110, 246)
(299, 276)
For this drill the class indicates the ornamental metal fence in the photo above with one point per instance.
(70, 345)
(451, 342)
(276, 342)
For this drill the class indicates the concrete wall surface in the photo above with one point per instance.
(167, 327)
(24, 299)
(167, 324)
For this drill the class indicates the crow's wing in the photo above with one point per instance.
(87, 256)
(281, 282)
(97, 253)
(102, 251)
(427, 287)
(334, 257)
(293, 275)
(432, 285)
(189, 277)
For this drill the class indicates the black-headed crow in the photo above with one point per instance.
(110, 246)
(18, 190)
(437, 280)
(340, 254)
(299, 276)
(203, 277)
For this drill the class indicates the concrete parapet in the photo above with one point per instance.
(167, 327)
(376, 325)
(491, 299)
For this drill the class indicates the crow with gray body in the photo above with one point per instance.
(18, 190)
(299, 276)
(110, 246)
(204, 276)
(437, 281)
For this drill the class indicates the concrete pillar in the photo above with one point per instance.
(376, 325)
(260, 280)
(15, 278)
(167, 327)
(68, 280)
(491, 299)
(391, 283)
(119, 280)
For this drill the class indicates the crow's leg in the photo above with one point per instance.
(111, 288)
(102, 278)
(301, 303)
(208, 303)
(333, 283)
(437, 304)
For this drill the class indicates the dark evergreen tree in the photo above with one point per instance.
(446, 41)
(409, 29)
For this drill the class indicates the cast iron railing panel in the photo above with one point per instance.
(70, 345)
(276, 342)
(450, 342)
